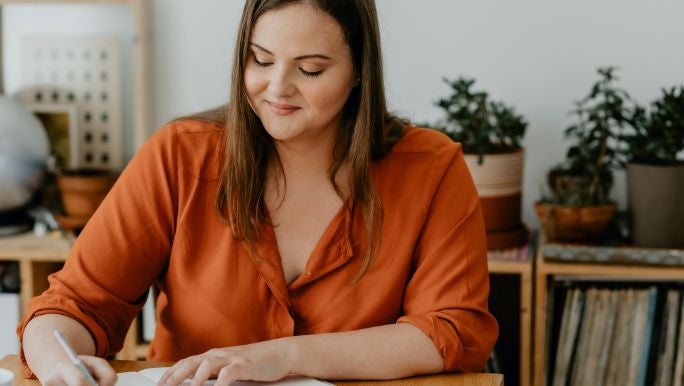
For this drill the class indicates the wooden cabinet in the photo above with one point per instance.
(547, 271)
(38, 257)
(505, 276)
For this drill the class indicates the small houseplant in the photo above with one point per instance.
(480, 125)
(81, 190)
(75, 184)
(579, 207)
(655, 176)
(490, 133)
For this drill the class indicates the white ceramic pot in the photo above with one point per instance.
(499, 174)
(499, 184)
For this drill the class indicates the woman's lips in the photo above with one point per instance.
(281, 109)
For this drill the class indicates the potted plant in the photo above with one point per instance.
(579, 207)
(490, 133)
(80, 191)
(655, 177)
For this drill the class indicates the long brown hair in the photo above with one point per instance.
(368, 131)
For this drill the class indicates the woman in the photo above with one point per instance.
(306, 232)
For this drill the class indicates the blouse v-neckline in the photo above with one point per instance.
(332, 249)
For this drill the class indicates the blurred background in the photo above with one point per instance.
(537, 56)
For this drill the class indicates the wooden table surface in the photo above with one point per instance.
(11, 362)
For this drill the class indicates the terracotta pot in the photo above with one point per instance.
(508, 238)
(501, 213)
(575, 223)
(82, 191)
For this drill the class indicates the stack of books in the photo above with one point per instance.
(522, 253)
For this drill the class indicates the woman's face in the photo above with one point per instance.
(299, 73)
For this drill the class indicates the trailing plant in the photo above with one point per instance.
(658, 136)
(480, 125)
(585, 177)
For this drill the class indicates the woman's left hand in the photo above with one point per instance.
(263, 361)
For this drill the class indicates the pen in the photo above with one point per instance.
(74, 358)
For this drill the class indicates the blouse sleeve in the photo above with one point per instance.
(120, 252)
(446, 296)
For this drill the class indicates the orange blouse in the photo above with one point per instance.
(158, 226)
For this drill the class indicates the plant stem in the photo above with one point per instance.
(593, 187)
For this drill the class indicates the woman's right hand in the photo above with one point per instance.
(64, 373)
(48, 360)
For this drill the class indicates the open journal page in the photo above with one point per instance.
(150, 377)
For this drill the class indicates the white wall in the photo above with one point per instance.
(9, 319)
(538, 56)
(70, 20)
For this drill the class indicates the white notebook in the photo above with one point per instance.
(150, 377)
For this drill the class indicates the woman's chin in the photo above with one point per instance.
(282, 134)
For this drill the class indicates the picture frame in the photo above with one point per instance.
(60, 121)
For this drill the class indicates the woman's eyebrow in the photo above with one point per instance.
(301, 57)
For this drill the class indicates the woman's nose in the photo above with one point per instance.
(280, 83)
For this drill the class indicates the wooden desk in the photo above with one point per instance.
(11, 362)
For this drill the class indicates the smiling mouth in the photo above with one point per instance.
(282, 109)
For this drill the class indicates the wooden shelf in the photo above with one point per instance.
(38, 257)
(512, 267)
(546, 270)
(29, 247)
(523, 269)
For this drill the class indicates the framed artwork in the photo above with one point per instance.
(61, 125)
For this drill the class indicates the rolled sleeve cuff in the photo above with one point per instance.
(443, 336)
(96, 332)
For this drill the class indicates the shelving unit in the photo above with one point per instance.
(38, 257)
(547, 271)
(522, 271)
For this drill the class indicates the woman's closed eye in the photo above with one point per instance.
(312, 74)
(261, 63)
(308, 73)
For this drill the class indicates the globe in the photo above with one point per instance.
(24, 150)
